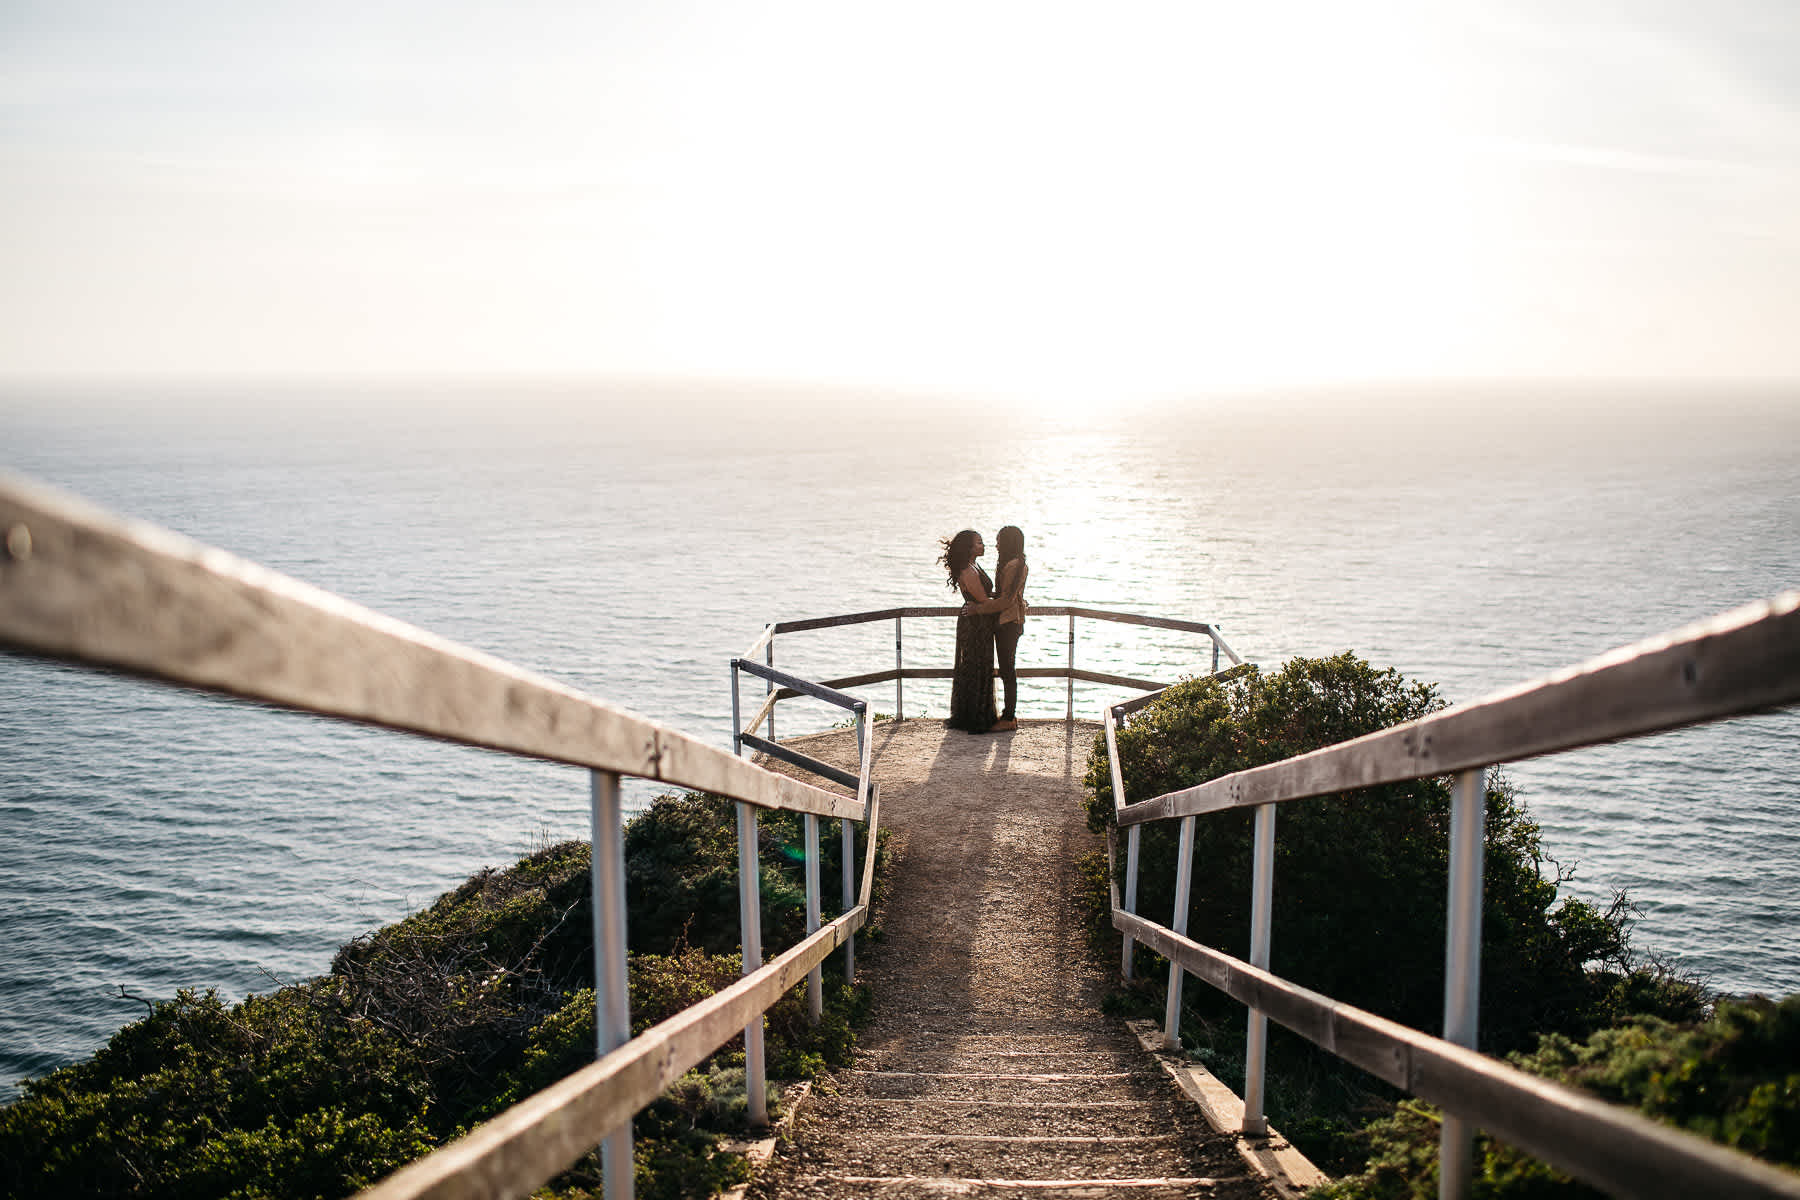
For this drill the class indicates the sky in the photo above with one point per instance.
(1064, 198)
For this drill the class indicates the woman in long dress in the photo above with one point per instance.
(972, 685)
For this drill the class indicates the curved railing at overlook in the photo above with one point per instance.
(786, 687)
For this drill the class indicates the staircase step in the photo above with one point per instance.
(1001, 1156)
(1026, 1118)
(903, 1187)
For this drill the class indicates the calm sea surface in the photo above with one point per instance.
(629, 542)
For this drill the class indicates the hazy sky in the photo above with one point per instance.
(1080, 197)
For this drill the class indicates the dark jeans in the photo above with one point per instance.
(1006, 646)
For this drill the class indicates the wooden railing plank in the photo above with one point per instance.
(891, 674)
(541, 1136)
(788, 754)
(82, 585)
(1740, 662)
(944, 610)
(1613, 1148)
(761, 714)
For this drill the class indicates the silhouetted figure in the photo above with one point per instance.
(972, 686)
(1008, 607)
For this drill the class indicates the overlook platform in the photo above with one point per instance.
(988, 1067)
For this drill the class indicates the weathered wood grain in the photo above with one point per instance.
(1740, 662)
(795, 685)
(763, 639)
(84, 586)
(1613, 1148)
(761, 714)
(805, 761)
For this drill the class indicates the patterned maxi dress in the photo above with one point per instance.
(972, 688)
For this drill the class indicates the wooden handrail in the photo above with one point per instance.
(1037, 610)
(1739, 662)
(887, 676)
(79, 584)
(1611, 1147)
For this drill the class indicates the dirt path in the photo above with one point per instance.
(988, 1066)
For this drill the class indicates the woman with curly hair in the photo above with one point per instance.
(972, 686)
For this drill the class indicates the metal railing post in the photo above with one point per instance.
(769, 658)
(1215, 642)
(1132, 838)
(848, 833)
(1113, 717)
(1262, 897)
(848, 853)
(899, 683)
(1462, 966)
(612, 1001)
(750, 918)
(737, 720)
(815, 978)
(1071, 714)
(1184, 877)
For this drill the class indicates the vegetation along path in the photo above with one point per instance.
(988, 1067)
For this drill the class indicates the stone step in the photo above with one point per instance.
(1080, 1117)
(989, 1056)
(1038, 1086)
(929, 1187)
(985, 1156)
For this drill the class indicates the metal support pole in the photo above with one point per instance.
(1071, 715)
(612, 1003)
(1131, 879)
(1184, 878)
(899, 683)
(815, 978)
(750, 916)
(1215, 643)
(1114, 717)
(849, 854)
(737, 720)
(769, 658)
(1462, 966)
(1262, 905)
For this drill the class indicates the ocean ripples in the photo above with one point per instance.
(159, 839)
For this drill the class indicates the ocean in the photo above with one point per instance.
(628, 539)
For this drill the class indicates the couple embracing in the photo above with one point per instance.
(992, 620)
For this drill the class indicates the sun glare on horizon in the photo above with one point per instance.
(1069, 201)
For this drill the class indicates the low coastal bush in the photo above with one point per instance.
(1359, 913)
(428, 1027)
(1734, 1078)
(1361, 887)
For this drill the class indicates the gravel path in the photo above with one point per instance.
(988, 1067)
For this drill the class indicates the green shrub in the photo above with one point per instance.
(1361, 877)
(280, 1095)
(429, 1026)
(1734, 1078)
(1360, 898)
(681, 872)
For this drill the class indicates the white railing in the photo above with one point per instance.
(78, 585)
(778, 691)
(1739, 663)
